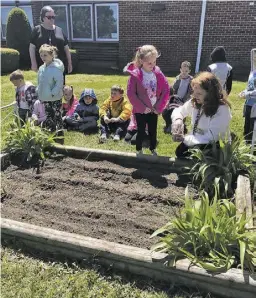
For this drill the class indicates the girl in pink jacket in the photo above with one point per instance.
(148, 91)
(69, 103)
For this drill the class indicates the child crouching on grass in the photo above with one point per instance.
(115, 115)
(86, 114)
(26, 95)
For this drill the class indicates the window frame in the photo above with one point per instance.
(96, 25)
(71, 22)
(13, 6)
(67, 16)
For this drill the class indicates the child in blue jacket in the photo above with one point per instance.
(86, 114)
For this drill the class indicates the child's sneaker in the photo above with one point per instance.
(139, 152)
(154, 153)
(103, 138)
(116, 138)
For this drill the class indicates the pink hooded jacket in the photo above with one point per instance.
(137, 94)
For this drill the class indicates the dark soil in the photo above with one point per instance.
(97, 199)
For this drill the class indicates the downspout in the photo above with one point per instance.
(201, 34)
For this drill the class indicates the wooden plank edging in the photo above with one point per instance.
(233, 283)
(244, 199)
(91, 154)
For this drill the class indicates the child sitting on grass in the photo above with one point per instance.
(38, 114)
(115, 115)
(86, 114)
(69, 102)
(179, 94)
(26, 95)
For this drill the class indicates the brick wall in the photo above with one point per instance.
(174, 31)
(233, 25)
(36, 8)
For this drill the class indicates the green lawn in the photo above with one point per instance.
(102, 84)
(23, 277)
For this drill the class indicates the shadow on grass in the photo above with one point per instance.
(107, 273)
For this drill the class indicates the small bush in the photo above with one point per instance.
(28, 142)
(10, 60)
(18, 33)
(209, 235)
(74, 57)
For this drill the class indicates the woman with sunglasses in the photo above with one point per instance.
(48, 33)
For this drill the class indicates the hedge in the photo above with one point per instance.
(10, 60)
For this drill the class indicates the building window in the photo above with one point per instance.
(61, 20)
(81, 22)
(4, 15)
(106, 22)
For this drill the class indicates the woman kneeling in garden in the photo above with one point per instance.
(210, 116)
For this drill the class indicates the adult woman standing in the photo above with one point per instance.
(48, 33)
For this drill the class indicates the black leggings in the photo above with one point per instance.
(142, 120)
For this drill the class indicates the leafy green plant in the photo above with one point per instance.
(221, 166)
(28, 142)
(209, 235)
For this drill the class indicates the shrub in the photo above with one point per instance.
(28, 142)
(74, 58)
(209, 235)
(10, 60)
(18, 33)
(222, 166)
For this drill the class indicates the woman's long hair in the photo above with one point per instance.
(215, 96)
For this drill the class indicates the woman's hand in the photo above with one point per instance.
(34, 67)
(178, 130)
(147, 111)
(106, 120)
(241, 94)
(70, 67)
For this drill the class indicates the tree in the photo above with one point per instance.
(18, 32)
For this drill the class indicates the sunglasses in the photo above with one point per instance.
(50, 17)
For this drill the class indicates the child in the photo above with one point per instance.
(38, 114)
(25, 95)
(131, 134)
(221, 68)
(115, 115)
(86, 114)
(250, 99)
(50, 87)
(69, 102)
(179, 94)
(209, 112)
(148, 91)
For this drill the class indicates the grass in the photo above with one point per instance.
(23, 276)
(102, 84)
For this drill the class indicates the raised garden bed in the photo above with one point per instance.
(100, 199)
(122, 199)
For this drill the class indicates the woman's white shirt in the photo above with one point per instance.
(209, 129)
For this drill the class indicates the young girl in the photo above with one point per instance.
(148, 91)
(249, 94)
(86, 114)
(69, 102)
(115, 115)
(210, 115)
(50, 87)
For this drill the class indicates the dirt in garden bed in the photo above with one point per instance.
(98, 199)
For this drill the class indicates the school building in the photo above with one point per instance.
(107, 33)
